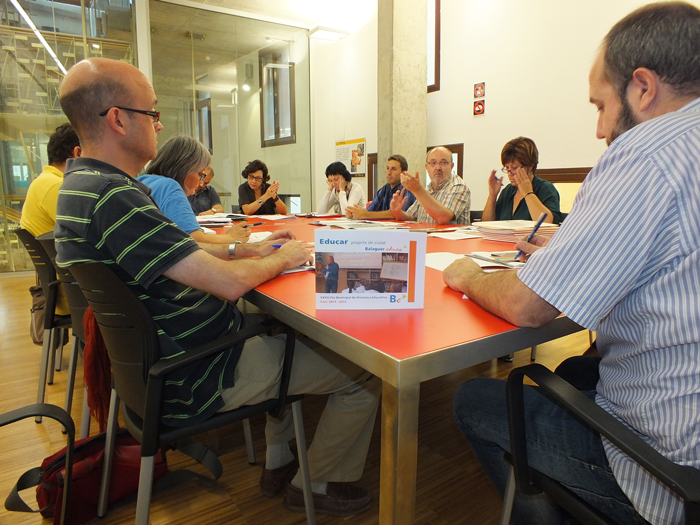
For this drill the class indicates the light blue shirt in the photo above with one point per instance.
(626, 262)
(172, 201)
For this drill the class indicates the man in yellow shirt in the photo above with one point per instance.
(39, 210)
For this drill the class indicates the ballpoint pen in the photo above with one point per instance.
(495, 177)
(254, 224)
(532, 233)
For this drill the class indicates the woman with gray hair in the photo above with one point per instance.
(173, 175)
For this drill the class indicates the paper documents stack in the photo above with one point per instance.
(512, 231)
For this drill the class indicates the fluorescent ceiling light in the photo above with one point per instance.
(38, 35)
(212, 88)
(326, 33)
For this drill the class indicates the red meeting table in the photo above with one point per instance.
(403, 348)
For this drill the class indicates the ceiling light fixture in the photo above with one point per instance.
(248, 77)
(38, 35)
(326, 33)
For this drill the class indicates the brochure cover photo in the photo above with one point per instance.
(369, 270)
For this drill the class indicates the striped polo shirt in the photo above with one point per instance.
(104, 215)
(626, 262)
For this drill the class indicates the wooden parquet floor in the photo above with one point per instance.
(451, 488)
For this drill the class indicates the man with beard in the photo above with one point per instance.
(445, 200)
(614, 267)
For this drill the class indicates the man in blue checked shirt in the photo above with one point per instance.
(614, 267)
(379, 208)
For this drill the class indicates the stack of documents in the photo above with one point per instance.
(512, 231)
(214, 221)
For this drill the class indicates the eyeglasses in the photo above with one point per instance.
(155, 115)
(202, 176)
(256, 179)
(512, 171)
(442, 163)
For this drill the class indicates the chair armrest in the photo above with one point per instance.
(684, 480)
(163, 367)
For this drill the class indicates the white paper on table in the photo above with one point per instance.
(457, 235)
(302, 268)
(206, 230)
(271, 217)
(441, 260)
(258, 236)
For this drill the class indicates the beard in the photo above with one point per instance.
(625, 121)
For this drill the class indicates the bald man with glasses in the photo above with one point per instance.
(445, 200)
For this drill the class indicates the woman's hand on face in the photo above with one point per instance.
(342, 183)
(331, 186)
(522, 179)
(495, 184)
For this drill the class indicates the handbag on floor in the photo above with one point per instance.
(36, 328)
(38, 316)
(87, 475)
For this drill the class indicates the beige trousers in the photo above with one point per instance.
(341, 442)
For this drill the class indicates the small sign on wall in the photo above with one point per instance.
(480, 90)
(479, 107)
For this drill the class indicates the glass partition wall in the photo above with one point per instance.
(241, 86)
(40, 41)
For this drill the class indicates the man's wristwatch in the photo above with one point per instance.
(275, 199)
(232, 249)
(260, 201)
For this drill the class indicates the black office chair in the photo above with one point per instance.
(54, 325)
(683, 480)
(77, 305)
(475, 215)
(14, 502)
(139, 379)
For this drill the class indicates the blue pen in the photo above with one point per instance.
(499, 180)
(532, 233)
(254, 224)
(276, 245)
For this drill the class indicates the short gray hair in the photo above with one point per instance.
(179, 156)
(662, 37)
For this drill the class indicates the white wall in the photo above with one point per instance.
(343, 98)
(534, 57)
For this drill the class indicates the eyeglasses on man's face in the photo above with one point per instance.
(155, 115)
(256, 179)
(202, 175)
(442, 163)
(512, 170)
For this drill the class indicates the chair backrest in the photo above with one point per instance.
(42, 262)
(127, 329)
(74, 295)
(475, 215)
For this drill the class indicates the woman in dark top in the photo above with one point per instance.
(527, 196)
(257, 197)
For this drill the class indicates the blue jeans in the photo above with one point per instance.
(331, 286)
(558, 445)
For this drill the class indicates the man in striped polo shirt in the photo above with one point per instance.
(105, 215)
(626, 262)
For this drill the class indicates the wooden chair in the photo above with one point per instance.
(130, 335)
(682, 480)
